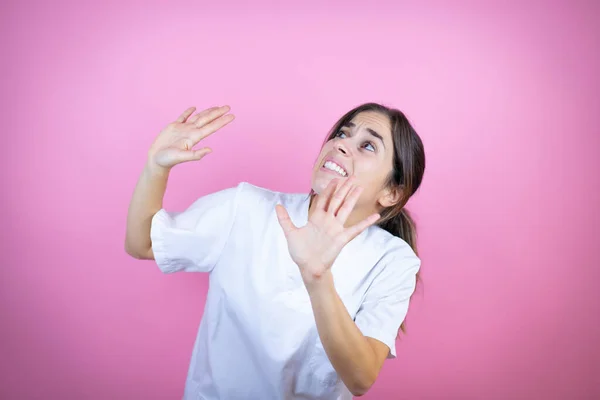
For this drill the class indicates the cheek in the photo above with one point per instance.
(368, 169)
(371, 175)
(324, 151)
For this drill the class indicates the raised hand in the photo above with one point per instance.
(175, 142)
(315, 246)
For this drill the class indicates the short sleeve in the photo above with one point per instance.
(386, 303)
(192, 240)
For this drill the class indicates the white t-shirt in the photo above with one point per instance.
(258, 338)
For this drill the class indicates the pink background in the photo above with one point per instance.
(504, 95)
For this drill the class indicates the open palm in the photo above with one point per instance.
(175, 143)
(315, 246)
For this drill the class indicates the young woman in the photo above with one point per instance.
(307, 292)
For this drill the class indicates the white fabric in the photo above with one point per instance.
(258, 337)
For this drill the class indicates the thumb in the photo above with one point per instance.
(284, 220)
(357, 229)
(192, 155)
(199, 154)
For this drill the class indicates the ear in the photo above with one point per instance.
(390, 196)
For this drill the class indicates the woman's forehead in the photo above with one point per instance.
(376, 123)
(373, 120)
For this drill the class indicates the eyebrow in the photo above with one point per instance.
(371, 131)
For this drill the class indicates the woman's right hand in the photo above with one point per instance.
(174, 144)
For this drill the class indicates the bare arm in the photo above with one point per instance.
(146, 201)
(356, 358)
(174, 145)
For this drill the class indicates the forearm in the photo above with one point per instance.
(146, 201)
(347, 348)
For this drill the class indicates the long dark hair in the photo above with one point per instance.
(406, 175)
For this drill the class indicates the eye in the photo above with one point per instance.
(372, 148)
(340, 133)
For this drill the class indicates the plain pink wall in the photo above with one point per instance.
(505, 97)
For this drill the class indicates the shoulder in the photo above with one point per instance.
(255, 203)
(242, 193)
(388, 245)
(255, 195)
(393, 253)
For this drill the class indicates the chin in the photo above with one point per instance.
(320, 181)
(318, 188)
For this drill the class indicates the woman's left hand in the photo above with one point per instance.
(315, 246)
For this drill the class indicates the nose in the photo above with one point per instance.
(341, 148)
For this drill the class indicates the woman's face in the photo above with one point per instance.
(363, 148)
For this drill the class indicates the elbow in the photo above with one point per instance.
(358, 392)
(135, 253)
(361, 388)
(130, 250)
(132, 253)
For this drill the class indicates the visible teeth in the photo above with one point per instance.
(334, 167)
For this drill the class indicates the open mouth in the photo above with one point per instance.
(330, 165)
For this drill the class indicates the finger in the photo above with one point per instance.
(183, 117)
(199, 154)
(355, 230)
(323, 197)
(339, 197)
(210, 115)
(284, 220)
(349, 203)
(211, 128)
(203, 113)
(194, 155)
